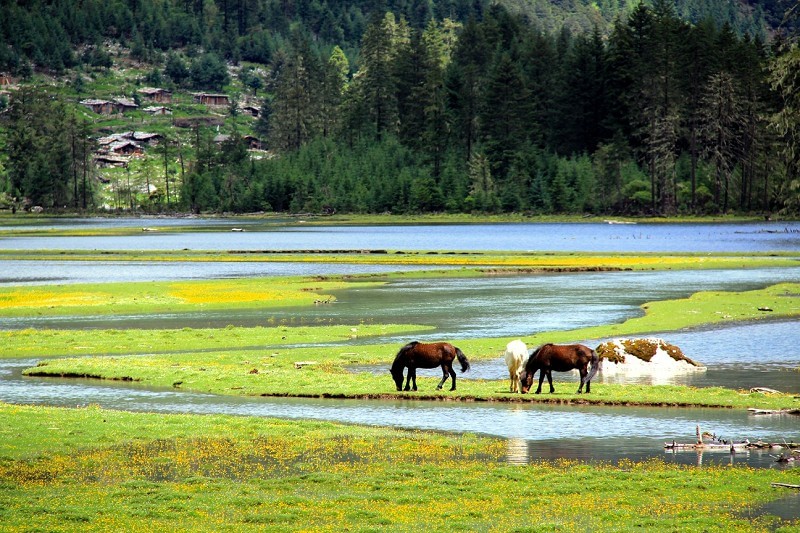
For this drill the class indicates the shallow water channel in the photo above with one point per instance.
(533, 432)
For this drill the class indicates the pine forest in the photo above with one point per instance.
(612, 107)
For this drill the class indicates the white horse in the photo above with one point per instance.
(516, 353)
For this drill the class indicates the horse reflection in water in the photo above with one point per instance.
(560, 358)
(416, 355)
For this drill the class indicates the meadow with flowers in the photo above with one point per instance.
(92, 469)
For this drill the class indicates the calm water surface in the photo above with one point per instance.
(593, 237)
(48, 272)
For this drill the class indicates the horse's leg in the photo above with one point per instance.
(583, 373)
(414, 378)
(541, 379)
(408, 378)
(453, 375)
(550, 380)
(444, 377)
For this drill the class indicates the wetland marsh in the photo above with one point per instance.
(479, 312)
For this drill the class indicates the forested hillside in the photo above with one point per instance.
(614, 106)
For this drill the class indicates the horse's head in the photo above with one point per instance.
(526, 380)
(397, 376)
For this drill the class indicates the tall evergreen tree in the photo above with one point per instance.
(295, 115)
(383, 38)
(785, 80)
(463, 82)
(503, 114)
(722, 119)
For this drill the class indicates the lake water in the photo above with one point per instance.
(216, 234)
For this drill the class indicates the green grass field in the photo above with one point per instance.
(92, 469)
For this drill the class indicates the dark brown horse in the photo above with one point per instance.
(560, 358)
(416, 355)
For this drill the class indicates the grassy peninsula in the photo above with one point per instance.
(263, 361)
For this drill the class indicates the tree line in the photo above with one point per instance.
(498, 115)
(489, 112)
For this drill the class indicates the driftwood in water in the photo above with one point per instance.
(764, 390)
(720, 445)
(700, 445)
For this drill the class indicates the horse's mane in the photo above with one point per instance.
(407, 347)
(398, 363)
(539, 349)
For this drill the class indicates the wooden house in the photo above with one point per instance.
(145, 137)
(125, 147)
(209, 99)
(253, 143)
(101, 107)
(108, 160)
(124, 104)
(156, 94)
(251, 110)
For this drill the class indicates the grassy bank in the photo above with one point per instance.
(471, 260)
(282, 219)
(165, 296)
(315, 372)
(99, 470)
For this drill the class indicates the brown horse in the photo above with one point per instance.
(416, 355)
(560, 358)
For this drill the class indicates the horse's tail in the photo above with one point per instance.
(596, 362)
(463, 360)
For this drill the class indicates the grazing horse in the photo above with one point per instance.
(416, 355)
(516, 352)
(560, 358)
